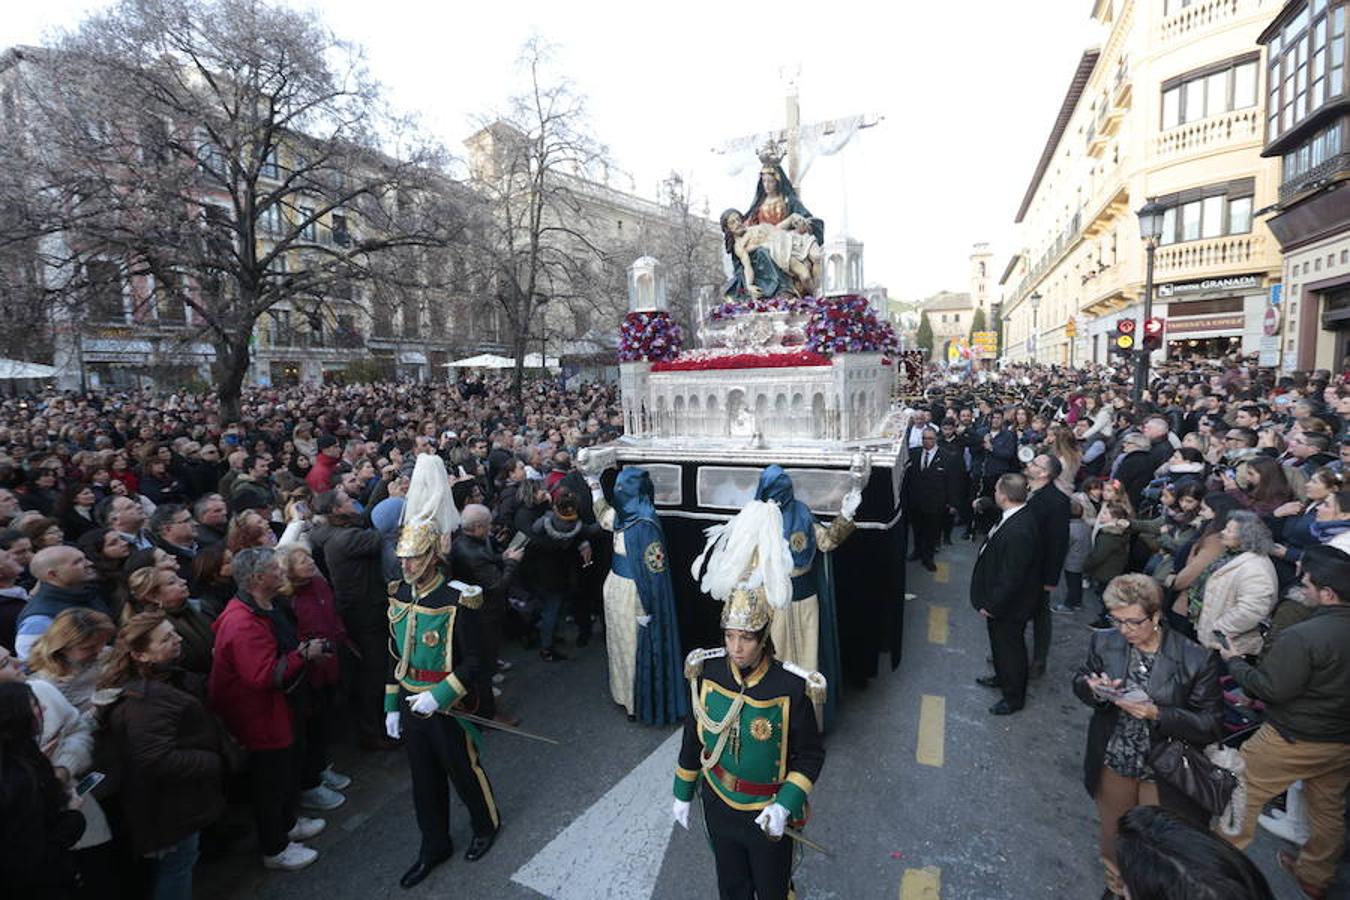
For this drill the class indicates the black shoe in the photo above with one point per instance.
(480, 845)
(930, 565)
(420, 870)
(1003, 708)
(1037, 670)
(551, 656)
(989, 681)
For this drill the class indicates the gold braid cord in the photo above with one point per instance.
(409, 638)
(726, 729)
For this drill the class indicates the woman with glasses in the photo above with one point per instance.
(1145, 683)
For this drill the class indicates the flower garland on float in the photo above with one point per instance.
(651, 336)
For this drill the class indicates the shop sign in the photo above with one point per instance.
(1209, 285)
(1205, 323)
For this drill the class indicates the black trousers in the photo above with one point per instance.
(439, 749)
(271, 782)
(1007, 643)
(1041, 630)
(492, 619)
(927, 528)
(369, 674)
(313, 734)
(749, 865)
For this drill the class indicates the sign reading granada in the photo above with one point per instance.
(985, 344)
(1232, 283)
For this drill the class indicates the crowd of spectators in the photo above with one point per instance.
(194, 606)
(1207, 544)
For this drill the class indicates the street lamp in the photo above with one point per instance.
(1150, 232)
(1035, 299)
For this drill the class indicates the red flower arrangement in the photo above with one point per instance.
(848, 325)
(651, 336)
(742, 361)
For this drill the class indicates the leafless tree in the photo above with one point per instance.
(226, 155)
(532, 241)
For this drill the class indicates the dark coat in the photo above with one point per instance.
(474, 562)
(939, 486)
(172, 765)
(1304, 678)
(1134, 473)
(1184, 685)
(1049, 506)
(36, 831)
(552, 561)
(1002, 581)
(1002, 457)
(352, 557)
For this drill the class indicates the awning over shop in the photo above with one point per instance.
(482, 361)
(17, 370)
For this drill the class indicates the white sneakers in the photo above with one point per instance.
(295, 856)
(335, 781)
(321, 797)
(306, 828)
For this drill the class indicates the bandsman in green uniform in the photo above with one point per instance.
(752, 748)
(435, 639)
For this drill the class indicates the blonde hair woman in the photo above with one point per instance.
(70, 653)
(156, 590)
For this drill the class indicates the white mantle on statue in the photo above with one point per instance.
(846, 400)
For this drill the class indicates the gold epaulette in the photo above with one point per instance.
(693, 663)
(471, 596)
(815, 682)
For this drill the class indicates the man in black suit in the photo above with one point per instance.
(931, 488)
(1004, 589)
(1049, 506)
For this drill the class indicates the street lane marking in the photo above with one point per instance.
(938, 622)
(921, 884)
(592, 857)
(932, 728)
(943, 573)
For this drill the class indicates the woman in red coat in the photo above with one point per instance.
(258, 660)
(317, 619)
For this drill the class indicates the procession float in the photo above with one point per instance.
(782, 373)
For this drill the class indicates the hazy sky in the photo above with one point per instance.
(968, 91)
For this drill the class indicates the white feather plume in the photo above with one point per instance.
(751, 549)
(429, 498)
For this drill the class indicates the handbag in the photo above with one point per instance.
(1189, 770)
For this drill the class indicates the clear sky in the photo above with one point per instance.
(969, 92)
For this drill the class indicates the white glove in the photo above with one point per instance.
(392, 726)
(773, 820)
(849, 506)
(423, 704)
(644, 621)
(680, 810)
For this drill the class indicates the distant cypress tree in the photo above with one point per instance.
(924, 336)
(977, 323)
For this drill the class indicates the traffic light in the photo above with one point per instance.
(1153, 333)
(1126, 327)
(1122, 342)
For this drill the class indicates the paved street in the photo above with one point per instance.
(924, 795)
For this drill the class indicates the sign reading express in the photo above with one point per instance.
(1205, 323)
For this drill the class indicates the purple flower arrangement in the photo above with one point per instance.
(848, 325)
(730, 309)
(653, 336)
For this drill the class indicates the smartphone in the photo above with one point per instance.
(519, 541)
(1221, 638)
(88, 783)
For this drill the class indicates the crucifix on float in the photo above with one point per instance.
(794, 134)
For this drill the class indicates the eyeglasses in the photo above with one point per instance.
(1127, 624)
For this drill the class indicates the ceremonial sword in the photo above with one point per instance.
(509, 729)
(806, 841)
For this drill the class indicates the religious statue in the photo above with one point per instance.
(775, 245)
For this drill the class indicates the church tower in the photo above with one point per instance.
(981, 276)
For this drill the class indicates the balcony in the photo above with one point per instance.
(1101, 220)
(1338, 165)
(338, 339)
(1096, 141)
(1216, 256)
(1109, 117)
(1122, 89)
(1183, 24)
(1220, 132)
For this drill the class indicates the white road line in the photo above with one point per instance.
(615, 848)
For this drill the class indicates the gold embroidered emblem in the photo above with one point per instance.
(761, 729)
(654, 557)
(431, 638)
(797, 542)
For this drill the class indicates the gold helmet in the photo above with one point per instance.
(747, 609)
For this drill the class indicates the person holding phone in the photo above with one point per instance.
(1178, 682)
